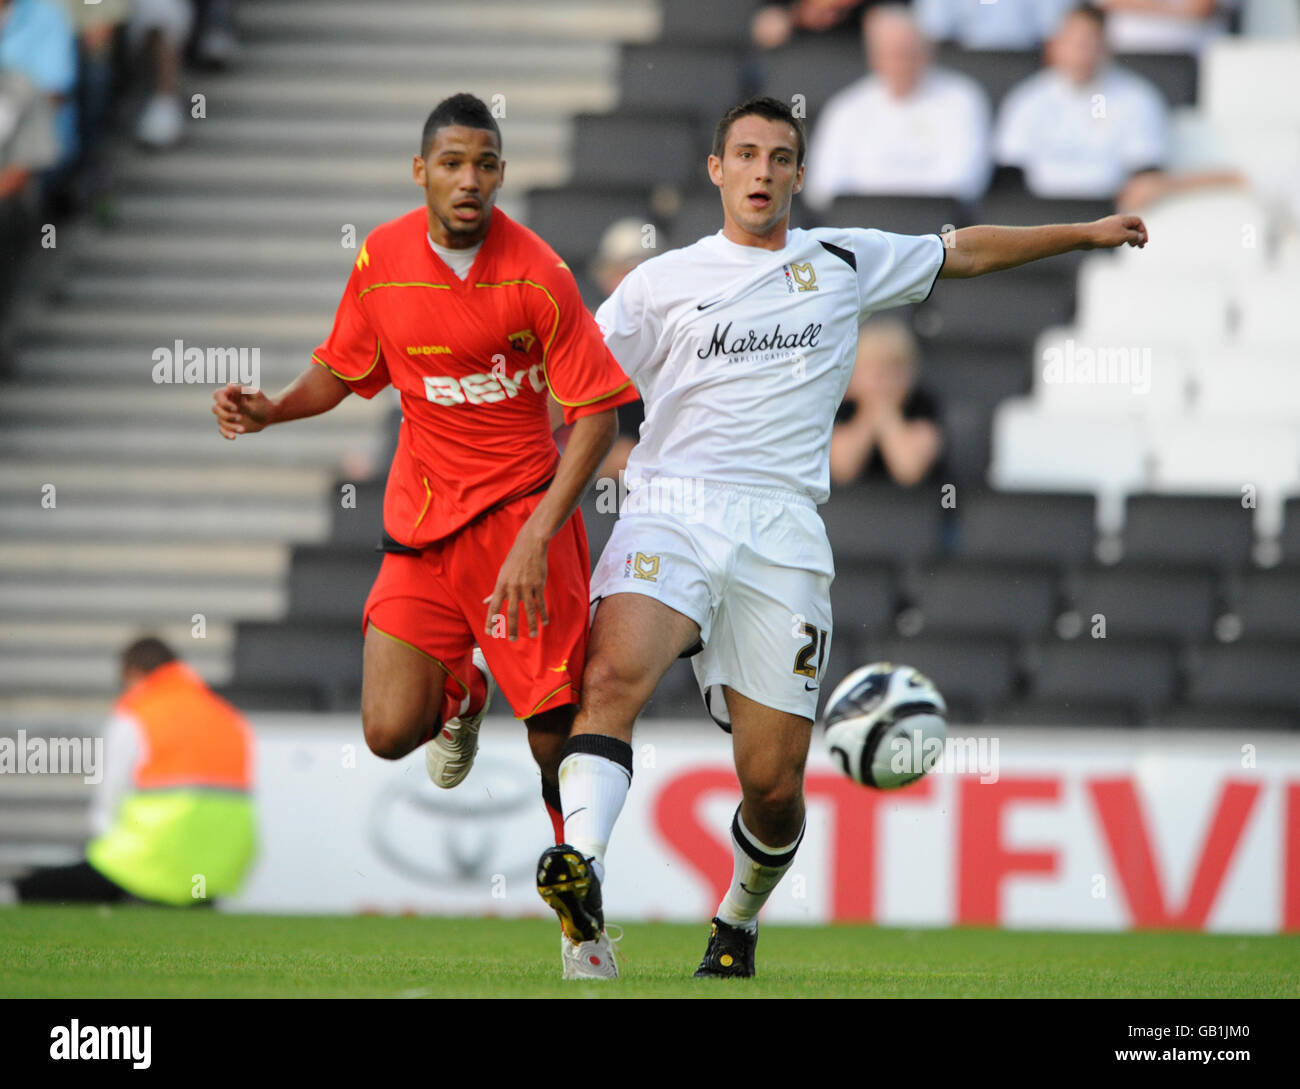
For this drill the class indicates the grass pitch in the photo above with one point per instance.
(147, 952)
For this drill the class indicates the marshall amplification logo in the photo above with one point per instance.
(749, 341)
(800, 277)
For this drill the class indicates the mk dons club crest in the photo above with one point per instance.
(800, 277)
(641, 566)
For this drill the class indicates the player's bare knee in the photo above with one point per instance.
(609, 681)
(385, 737)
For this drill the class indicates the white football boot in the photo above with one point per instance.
(590, 960)
(450, 755)
(567, 882)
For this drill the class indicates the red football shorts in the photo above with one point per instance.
(436, 601)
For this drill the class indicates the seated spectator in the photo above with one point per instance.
(95, 25)
(887, 426)
(1083, 126)
(907, 127)
(775, 24)
(174, 808)
(28, 146)
(164, 26)
(37, 39)
(977, 24)
(1165, 26)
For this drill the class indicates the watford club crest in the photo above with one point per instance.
(523, 340)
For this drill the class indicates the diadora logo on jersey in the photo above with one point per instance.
(428, 349)
(483, 389)
(641, 567)
(364, 259)
(800, 277)
(748, 341)
(523, 340)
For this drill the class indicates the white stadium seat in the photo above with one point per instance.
(1211, 231)
(1078, 372)
(1267, 309)
(1232, 380)
(1037, 449)
(1117, 299)
(1255, 79)
(1225, 455)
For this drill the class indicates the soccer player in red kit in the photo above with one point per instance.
(474, 319)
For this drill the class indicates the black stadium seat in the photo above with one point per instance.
(724, 22)
(1017, 208)
(996, 70)
(815, 67)
(703, 80)
(317, 653)
(1290, 541)
(1251, 672)
(874, 522)
(633, 149)
(863, 600)
(1174, 74)
(955, 598)
(896, 214)
(1210, 716)
(361, 523)
(967, 431)
(1134, 676)
(1040, 527)
(274, 697)
(1268, 604)
(975, 373)
(1011, 308)
(331, 582)
(1140, 602)
(572, 219)
(972, 674)
(1210, 531)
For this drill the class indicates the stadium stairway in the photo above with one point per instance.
(123, 509)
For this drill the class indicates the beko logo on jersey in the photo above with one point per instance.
(483, 389)
(723, 343)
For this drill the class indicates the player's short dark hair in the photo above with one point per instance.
(773, 109)
(461, 109)
(147, 654)
(1092, 11)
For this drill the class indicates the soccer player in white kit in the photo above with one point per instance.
(741, 346)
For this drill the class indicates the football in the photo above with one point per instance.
(885, 725)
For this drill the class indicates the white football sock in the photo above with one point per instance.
(757, 870)
(593, 789)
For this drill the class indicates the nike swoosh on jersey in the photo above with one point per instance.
(809, 687)
(705, 306)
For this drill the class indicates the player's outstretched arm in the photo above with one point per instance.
(973, 251)
(241, 411)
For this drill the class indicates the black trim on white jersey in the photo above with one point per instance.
(847, 256)
(944, 248)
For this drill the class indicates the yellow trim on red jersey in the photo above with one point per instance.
(349, 378)
(545, 700)
(395, 283)
(555, 330)
(428, 498)
(437, 661)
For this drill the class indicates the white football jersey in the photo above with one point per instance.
(742, 354)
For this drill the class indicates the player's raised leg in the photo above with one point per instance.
(595, 769)
(771, 749)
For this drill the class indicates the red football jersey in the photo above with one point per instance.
(473, 360)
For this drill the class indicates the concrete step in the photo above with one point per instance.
(141, 599)
(140, 399)
(152, 483)
(93, 671)
(262, 562)
(510, 21)
(107, 638)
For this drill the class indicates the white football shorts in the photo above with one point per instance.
(751, 566)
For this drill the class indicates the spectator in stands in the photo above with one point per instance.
(774, 24)
(36, 39)
(174, 806)
(907, 127)
(28, 146)
(96, 26)
(163, 26)
(887, 426)
(1165, 26)
(215, 43)
(623, 246)
(1083, 126)
(977, 24)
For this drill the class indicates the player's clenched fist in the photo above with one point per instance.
(239, 410)
(1121, 230)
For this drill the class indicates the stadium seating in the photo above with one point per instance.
(1139, 602)
(1117, 678)
(624, 149)
(1205, 531)
(897, 213)
(975, 599)
(878, 523)
(1051, 528)
(973, 674)
(573, 218)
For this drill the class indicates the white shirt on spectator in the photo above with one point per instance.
(977, 24)
(934, 142)
(1081, 141)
